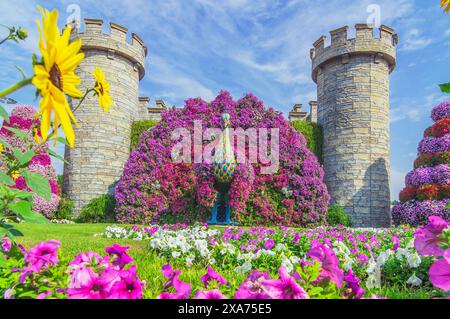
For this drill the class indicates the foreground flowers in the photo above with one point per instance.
(38, 273)
(55, 77)
(434, 239)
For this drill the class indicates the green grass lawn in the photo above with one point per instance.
(78, 238)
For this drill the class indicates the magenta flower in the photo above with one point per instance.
(209, 294)
(44, 294)
(89, 258)
(121, 257)
(43, 254)
(183, 290)
(212, 275)
(269, 243)
(251, 288)
(128, 287)
(90, 285)
(440, 272)
(427, 240)
(329, 263)
(353, 283)
(284, 288)
(6, 244)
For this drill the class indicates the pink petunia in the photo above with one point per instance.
(251, 288)
(6, 244)
(209, 294)
(440, 272)
(212, 275)
(284, 288)
(90, 285)
(128, 287)
(329, 263)
(121, 258)
(353, 283)
(43, 254)
(427, 240)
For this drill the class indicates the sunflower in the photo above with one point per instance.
(55, 77)
(15, 175)
(102, 89)
(445, 3)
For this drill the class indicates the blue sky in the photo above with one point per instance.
(198, 47)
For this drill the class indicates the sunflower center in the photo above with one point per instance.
(100, 88)
(55, 76)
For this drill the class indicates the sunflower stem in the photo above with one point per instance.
(16, 87)
(82, 99)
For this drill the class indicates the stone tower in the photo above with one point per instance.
(352, 77)
(103, 138)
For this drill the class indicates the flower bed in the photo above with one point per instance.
(364, 251)
(262, 263)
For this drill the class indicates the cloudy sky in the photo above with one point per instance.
(198, 47)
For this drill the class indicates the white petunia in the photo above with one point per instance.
(414, 281)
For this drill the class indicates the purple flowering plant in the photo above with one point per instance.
(416, 210)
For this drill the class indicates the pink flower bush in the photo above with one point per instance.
(418, 201)
(22, 118)
(154, 188)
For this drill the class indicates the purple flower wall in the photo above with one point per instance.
(418, 200)
(153, 188)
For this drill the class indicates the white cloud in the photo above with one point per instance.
(415, 110)
(414, 40)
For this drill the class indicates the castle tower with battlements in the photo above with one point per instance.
(103, 138)
(352, 77)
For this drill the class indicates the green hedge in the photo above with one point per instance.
(98, 210)
(313, 134)
(137, 128)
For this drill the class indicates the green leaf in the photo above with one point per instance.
(5, 144)
(62, 140)
(445, 87)
(24, 158)
(448, 206)
(23, 208)
(2, 260)
(55, 155)
(4, 114)
(17, 132)
(38, 184)
(5, 179)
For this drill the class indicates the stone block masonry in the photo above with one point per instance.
(352, 77)
(103, 138)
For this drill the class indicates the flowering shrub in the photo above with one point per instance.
(427, 185)
(432, 159)
(38, 273)
(154, 188)
(23, 118)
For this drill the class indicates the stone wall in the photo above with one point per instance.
(352, 77)
(103, 138)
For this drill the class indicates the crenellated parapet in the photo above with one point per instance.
(114, 44)
(382, 46)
